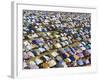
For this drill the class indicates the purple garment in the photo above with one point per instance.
(37, 41)
(80, 54)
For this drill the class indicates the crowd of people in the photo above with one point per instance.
(56, 39)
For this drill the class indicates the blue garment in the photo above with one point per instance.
(72, 58)
(42, 49)
(80, 62)
(36, 41)
(64, 56)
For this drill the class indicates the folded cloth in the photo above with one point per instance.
(33, 65)
(41, 49)
(57, 45)
(38, 61)
(52, 63)
(67, 54)
(45, 65)
(64, 55)
(36, 52)
(28, 55)
(25, 64)
(72, 58)
(76, 57)
(46, 47)
(54, 54)
(36, 41)
(34, 35)
(63, 44)
(58, 58)
(29, 47)
(46, 57)
(80, 54)
(67, 60)
(89, 51)
(26, 43)
(61, 50)
(80, 62)
(83, 48)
